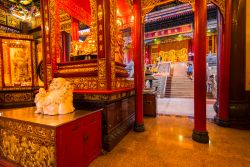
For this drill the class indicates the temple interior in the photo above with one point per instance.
(124, 83)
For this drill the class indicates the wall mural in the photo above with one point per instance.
(17, 62)
(248, 46)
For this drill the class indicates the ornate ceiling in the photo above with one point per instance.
(22, 2)
(22, 9)
(7, 4)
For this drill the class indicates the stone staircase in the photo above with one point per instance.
(179, 86)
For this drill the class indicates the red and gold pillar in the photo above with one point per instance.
(222, 117)
(104, 44)
(44, 9)
(138, 66)
(63, 56)
(75, 29)
(200, 133)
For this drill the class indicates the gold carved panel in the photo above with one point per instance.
(84, 83)
(26, 144)
(76, 70)
(113, 31)
(102, 74)
(18, 97)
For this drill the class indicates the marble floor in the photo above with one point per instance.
(182, 107)
(167, 142)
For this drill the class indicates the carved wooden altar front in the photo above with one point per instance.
(29, 139)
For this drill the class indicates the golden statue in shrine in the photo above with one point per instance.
(87, 47)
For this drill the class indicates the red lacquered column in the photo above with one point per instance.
(63, 57)
(75, 29)
(138, 67)
(224, 70)
(200, 133)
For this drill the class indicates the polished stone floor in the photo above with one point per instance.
(167, 143)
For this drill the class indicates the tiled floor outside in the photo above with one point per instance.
(182, 107)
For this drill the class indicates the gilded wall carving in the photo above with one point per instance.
(123, 83)
(76, 70)
(113, 31)
(65, 21)
(91, 97)
(18, 97)
(84, 83)
(102, 74)
(27, 145)
(26, 128)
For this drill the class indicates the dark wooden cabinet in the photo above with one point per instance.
(118, 118)
(149, 104)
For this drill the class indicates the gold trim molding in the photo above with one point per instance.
(16, 36)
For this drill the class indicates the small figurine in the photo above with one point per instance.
(58, 99)
(39, 99)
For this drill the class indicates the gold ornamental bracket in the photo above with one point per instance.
(221, 4)
(148, 5)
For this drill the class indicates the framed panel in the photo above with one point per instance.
(17, 62)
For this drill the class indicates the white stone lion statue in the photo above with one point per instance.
(58, 99)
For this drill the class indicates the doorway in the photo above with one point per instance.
(169, 50)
